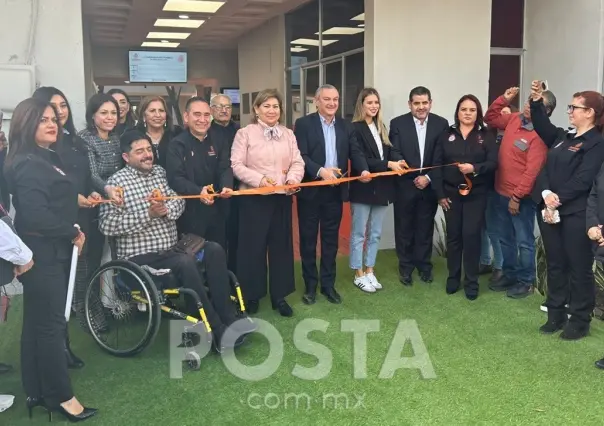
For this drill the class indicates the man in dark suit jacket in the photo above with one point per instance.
(326, 143)
(414, 135)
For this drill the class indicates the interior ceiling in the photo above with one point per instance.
(126, 23)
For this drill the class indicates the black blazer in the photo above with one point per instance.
(572, 162)
(378, 191)
(311, 143)
(404, 138)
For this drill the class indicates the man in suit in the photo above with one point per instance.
(326, 143)
(415, 134)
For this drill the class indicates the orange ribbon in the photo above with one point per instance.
(156, 195)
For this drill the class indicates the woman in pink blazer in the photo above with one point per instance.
(265, 153)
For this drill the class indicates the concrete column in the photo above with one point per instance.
(56, 47)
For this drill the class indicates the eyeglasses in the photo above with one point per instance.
(571, 108)
(225, 107)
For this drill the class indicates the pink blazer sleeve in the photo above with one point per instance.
(239, 161)
(296, 168)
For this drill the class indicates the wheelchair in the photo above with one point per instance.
(125, 293)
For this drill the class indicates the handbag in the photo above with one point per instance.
(190, 244)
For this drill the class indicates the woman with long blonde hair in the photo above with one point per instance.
(369, 201)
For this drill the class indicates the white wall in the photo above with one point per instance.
(564, 43)
(57, 45)
(430, 43)
(262, 60)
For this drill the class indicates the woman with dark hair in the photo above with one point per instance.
(265, 154)
(74, 154)
(46, 204)
(127, 116)
(156, 121)
(561, 191)
(369, 201)
(469, 143)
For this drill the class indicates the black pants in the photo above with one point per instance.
(219, 310)
(414, 212)
(43, 361)
(88, 262)
(465, 220)
(570, 277)
(322, 213)
(232, 231)
(265, 224)
(205, 221)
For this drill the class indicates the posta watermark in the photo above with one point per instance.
(407, 332)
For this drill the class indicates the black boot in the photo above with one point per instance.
(73, 362)
(556, 320)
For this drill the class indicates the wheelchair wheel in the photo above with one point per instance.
(127, 297)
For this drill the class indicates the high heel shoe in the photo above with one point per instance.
(73, 418)
(33, 402)
(73, 362)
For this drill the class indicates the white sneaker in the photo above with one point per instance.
(364, 284)
(373, 281)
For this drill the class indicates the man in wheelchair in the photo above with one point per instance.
(145, 233)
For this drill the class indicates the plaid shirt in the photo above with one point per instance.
(137, 233)
(105, 157)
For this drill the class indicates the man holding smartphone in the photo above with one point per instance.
(522, 155)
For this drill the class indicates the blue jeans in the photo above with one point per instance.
(490, 236)
(366, 219)
(517, 238)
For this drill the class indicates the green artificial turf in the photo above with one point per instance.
(491, 367)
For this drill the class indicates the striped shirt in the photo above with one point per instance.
(105, 157)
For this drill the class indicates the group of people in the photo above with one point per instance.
(517, 166)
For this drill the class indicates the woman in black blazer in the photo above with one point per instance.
(369, 201)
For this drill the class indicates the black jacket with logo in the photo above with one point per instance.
(192, 164)
(572, 162)
(479, 149)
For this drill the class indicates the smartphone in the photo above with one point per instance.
(544, 85)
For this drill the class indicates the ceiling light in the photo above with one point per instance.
(312, 42)
(298, 49)
(158, 44)
(179, 23)
(342, 31)
(360, 17)
(361, 25)
(183, 16)
(165, 41)
(179, 36)
(127, 82)
(200, 6)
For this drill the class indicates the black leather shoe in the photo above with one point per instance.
(503, 284)
(556, 321)
(471, 291)
(426, 277)
(332, 295)
(84, 415)
(574, 331)
(406, 279)
(309, 298)
(284, 309)
(5, 368)
(452, 286)
(33, 402)
(600, 363)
